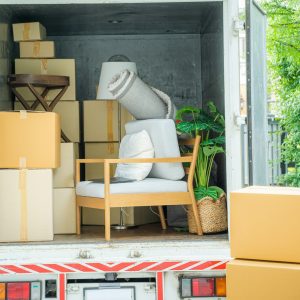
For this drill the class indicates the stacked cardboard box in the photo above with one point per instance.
(37, 56)
(28, 153)
(104, 126)
(264, 244)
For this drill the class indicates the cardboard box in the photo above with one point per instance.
(33, 31)
(101, 121)
(62, 67)
(264, 223)
(64, 207)
(29, 140)
(65, 175)
(26, 211)
(37, 49)
(253, 280)
(69, 114)
(99, 150)
(126, 117)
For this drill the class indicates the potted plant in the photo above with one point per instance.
(211, 200)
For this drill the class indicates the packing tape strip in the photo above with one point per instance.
(26, 31)
(36, 48)
(22, 162)
(44, 66)
(24, 215)
(110, 124)
(23, 114)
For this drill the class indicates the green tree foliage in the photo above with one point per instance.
(283, 45)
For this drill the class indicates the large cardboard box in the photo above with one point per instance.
(64, 208)
(65, 175)
(99, 150)
(126, 117)
(264, 223)
(259, 280)
(62, 67)
(69, 115)
(29, 140)
(33, 31)
(37, 49)
(101, 121)
(26, 210)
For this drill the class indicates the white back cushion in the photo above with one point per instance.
(135, 145)
(164, 138)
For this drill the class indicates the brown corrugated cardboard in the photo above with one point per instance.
(125, 118)
(64, 211)
(26, 212)
(254, 280)
(33, 31)
(264, 223)
(99, 150)
(65, 175)
(37, 49)
(62, 67)
(92, 216)
(29, 140)
(69, 114)
(101, 121)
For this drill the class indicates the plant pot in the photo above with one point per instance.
(213, 215)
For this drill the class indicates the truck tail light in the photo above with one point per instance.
(202, 287)
(18, 290)
(221, 286)
(2, 291)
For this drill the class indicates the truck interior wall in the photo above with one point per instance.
(212, 70)
(6, 55)
(170, 63)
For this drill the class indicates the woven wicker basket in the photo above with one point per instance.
(213, 215)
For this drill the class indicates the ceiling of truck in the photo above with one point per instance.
(98, 19)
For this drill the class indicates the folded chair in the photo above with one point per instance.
(152, 191)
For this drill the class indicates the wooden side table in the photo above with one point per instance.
(47, 82)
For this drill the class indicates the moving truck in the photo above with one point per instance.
(190, 50)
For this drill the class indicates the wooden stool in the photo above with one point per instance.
(47, 82)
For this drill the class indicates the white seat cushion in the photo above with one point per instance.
(148, 185)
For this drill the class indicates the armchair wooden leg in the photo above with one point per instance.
(162, 218)
(196, 215)
(78, 219)
(107, 223)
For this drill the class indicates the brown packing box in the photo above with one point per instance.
(29, 140)
(64, 176)
(61, 67)
(264, 223)
(259, 280)
(33, 31)
(26, 211)
(100, 150)
(126, 117)
(69, 114)
(101, 121)
(104, 120)
(64, 207)
(37, 49)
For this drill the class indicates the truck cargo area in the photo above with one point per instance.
(178, 48)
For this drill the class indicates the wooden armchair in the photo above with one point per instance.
(106, 198)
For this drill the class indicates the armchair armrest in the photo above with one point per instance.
(85, 161)
(150, 160)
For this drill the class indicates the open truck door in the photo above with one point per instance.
(256, 94)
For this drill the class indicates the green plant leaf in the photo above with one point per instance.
(212, 150)
(187, 110)
(212, 191)
(220, 140)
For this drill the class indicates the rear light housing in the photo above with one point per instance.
(197, 287)
(29, 290)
